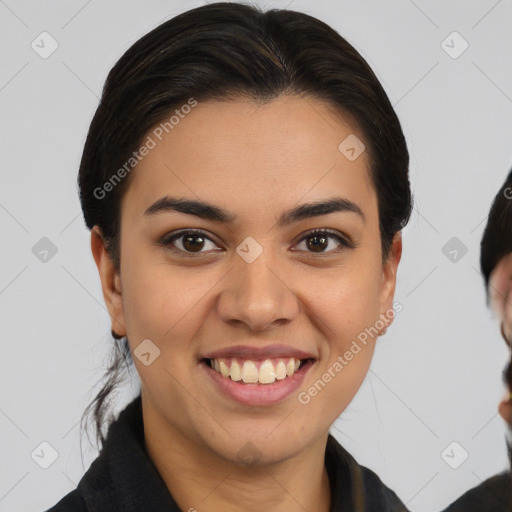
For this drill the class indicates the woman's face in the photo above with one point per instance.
(253, 289)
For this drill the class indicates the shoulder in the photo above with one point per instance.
(492, 495)
(72, 502)
(366, 490)
(377, 495)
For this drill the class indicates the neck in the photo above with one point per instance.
(198, 479)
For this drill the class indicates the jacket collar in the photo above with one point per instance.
(123, 477)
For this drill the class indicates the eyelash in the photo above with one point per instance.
(168, 241)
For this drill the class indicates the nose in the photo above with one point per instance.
(257, 295)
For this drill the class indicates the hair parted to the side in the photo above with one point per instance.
(229, 51)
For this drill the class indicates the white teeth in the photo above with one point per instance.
(280, 370)
(234, 371)
(267, 374)
(249, 372)
(224, 368)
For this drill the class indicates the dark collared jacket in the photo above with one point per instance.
(492, 495)
(123, 478)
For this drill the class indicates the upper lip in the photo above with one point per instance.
(259, 352)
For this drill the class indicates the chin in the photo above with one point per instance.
(262, 447)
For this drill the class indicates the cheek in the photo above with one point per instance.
(164, 304)
(160, 299)
(350, 310)
(349, 301)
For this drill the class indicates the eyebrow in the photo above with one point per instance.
(214, 213)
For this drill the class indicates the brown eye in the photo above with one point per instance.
(193, 243)
(190, 242)
(317, 243)
(320, 240)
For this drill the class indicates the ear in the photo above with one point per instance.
(388, 281)
(500, 294)
(110, 281)
(505, 410)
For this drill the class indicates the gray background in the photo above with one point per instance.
(436, 376)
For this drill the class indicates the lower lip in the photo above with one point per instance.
(258, 394)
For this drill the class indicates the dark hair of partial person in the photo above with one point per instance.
(229, 51)
(496, 243)
(497, 238)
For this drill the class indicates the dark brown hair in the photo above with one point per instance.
(497, 238)
(497, 243)
(225, 51)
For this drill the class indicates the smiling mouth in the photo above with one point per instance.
(264, 371)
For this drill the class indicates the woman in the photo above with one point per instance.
(245, 180)
(495, 493)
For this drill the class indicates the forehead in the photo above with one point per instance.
(254, 157)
